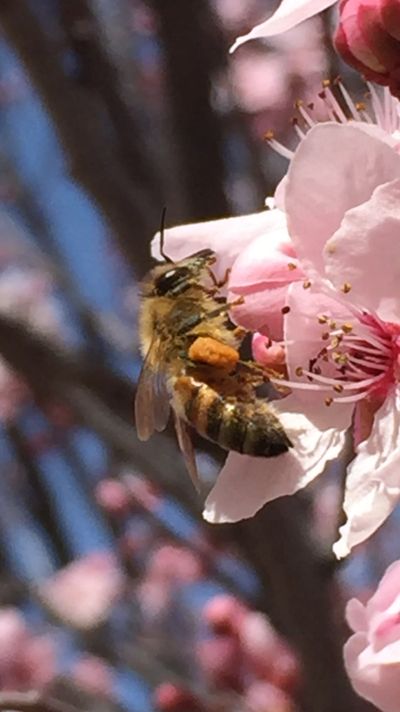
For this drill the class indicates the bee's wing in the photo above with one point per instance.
(152, 399)
(186, 446)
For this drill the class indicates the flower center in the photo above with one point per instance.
(352, 361)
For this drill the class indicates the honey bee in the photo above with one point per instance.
(192, 363)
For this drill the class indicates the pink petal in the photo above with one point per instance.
(365, 252)
(262, 310)
(261, 274)
(373, 479)
(387, 591)
(246, 483)
(228, 237)
(356, 616)
(335, 168)
(289, 14)
(380, 684)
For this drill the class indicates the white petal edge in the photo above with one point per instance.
(289, 14)
(373, 478)
(246, 483)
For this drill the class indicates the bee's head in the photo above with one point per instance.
(174, 278)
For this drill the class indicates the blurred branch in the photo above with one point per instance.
(193, 54)
(32, 702)
(100, 399)
(301, 600)
(39, 502)
(92, 162)
(100, 72)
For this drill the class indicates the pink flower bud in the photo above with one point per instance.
(171, 698)
(112, 496)
(220, 659)
(263, 697)
(368, 39)
(224, 614)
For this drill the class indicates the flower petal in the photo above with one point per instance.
(332, 160)
(356, 616)
(365, 252)
(246, 483)
(228, 237)
(387, 591)
(289, 14)
(380, 684)
(373, 479)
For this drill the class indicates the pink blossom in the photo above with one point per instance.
(367, 38)
(113, 496)
(26, 661)
(220, 659)
(340, 325)
(224, 614)
(175, 564)
(94, 675)
(265, 697)
(372, 654)
(83, 593)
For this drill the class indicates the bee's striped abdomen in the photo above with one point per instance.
(249, 428)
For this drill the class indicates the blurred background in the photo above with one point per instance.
(114, 594)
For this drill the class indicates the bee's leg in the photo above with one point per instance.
(225, 308)
(219, 283)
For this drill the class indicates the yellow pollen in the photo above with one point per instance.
(326, 83)
(360, 106)
(338, 388)
(347, 328)
(340, 358)
(292, 266)
(307, 284)
(332, 324)
(335, 342)
(298, 103)
(269, 135)
(346, 288)
(285, 310)
(299, 371)
(328, 401)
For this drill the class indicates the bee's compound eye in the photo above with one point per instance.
(175, 280)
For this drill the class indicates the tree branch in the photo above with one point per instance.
(78, 121)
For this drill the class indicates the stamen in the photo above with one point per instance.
(335, 105)
(306, 116)
(278, 147)
(349, 101)
(377, 106)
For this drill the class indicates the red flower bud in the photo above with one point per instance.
(368, 38)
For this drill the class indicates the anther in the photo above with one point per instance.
(292, 266)
(322, 319)
(338, 388)
(269, 135)
(328, 401)
(346, 288)
(332, 325)
(325, 336)
(307, 284)
(360, 106)
(285, 310)
(347, 328)
(299, 371)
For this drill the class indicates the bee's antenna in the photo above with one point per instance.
(162, 228)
